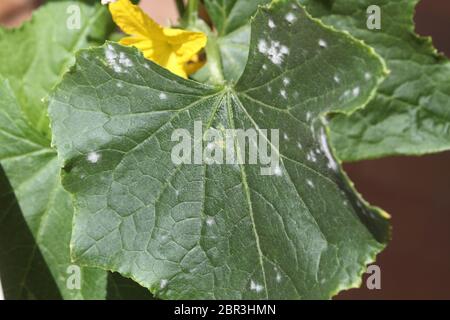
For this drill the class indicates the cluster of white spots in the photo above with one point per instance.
(210, 221)
(117, 62)
(163, 283)
(283, 93)
(277, 171)
(311, 156)
(286, 137)
(271, 24)
(162, 96)
(276, 52)
(324, 145)
(123, 60)
(336, 79)
(322, 43)
(290, 17)
(367, 76)
(256, 286)
(286, 81)
(310, 183)
(93, 157)
(356, 91)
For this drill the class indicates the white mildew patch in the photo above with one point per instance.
(322, 43)
(119, 85)
(299, 145)
(311, 156)
(286, 137)
(283, 93)
(260, 110)
(93, 157)
(310, 183)
(277, 171)
(290, 17)
(278, 277)
(117, 61)
(332, 164)
(275, 51)
(269, 89)
(210, 221)
(162, 96)
(124, 61)
(264, 66)
(271, 24)
(367, 76)
(336, 79)
(286, 81)
(308, 116)
(163, 284)
(356, 91)
(256, 286)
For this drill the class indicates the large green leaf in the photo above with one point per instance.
(410, 115)
(34, 58)
(220, 231)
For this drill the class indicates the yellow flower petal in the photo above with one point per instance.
(170, 48)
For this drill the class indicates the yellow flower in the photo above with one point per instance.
(173, 49)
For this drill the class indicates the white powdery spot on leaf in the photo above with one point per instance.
(163, 284)
(276, 52)
(93, 157)
(271, 24)
(277, 171)
(356, 91)
(322, 43)
(104, 2)
(210, 221)
(367, 76)
(336, 79)
(162, 96)
(283, 93)
(310, 183)
(286, 81)
(124, 61)
(256, 286)
(290, 17)
(324, 145)
(286, 137)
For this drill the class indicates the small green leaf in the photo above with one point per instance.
(410, 114)
(220, 231)
(229, 15)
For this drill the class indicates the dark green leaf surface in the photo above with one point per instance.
(34, 57)
(410, 115)
(220, 231)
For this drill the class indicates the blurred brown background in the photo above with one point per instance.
(415, 191)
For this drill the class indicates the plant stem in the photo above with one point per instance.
(214, 60)
(192, 12)
(180, 7)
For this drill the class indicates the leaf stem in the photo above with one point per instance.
(192, 12)
(180, 6)
(214, 60)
